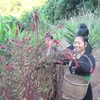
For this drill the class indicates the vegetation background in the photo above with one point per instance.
(23, 25)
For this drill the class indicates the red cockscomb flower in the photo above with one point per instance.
(9, 67)
(2, 46)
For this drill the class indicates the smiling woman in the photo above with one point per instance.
(83, 31)
(86, 62)
(81, 63)
(80, 46)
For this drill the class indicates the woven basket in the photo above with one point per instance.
(74, 87)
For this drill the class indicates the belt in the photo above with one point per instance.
(87, 77)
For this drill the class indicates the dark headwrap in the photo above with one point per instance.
(83, 30)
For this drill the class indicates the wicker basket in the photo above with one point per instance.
(74, 87)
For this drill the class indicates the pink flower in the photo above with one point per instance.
(53, 32)
(59, 26)
(36, 26)
(17, 42)
(32, 26)
(1, 47)
(56, 41)
(29, 48)
(9, 67)
(2, 58)
(27, 38)
(8, 51)
(9, 40)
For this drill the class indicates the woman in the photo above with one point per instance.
(49, 44)
(83, 31)
(85, 62)
(51, 70)
(81, 63)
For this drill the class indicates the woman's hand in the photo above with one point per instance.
(71, 56)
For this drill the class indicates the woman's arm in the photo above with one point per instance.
(87, 63)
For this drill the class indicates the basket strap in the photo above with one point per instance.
(91, 70)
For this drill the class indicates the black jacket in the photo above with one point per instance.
(86, 65)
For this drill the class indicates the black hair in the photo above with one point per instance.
(83, 30)
(85, 38)
(49, 36)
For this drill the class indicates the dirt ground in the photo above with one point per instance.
(95, 77)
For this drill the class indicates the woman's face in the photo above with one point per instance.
(48, 42)
(79, 44)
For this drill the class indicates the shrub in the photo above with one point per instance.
(59, 9)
